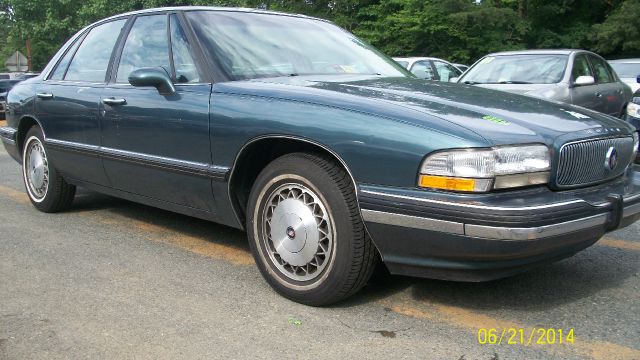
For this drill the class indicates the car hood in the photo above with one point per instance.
(497, 117)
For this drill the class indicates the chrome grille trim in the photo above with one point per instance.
(582, 162)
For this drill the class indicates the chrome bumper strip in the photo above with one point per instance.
(631, 210)
(509, 233)
(487, 232)
(386, 195)
(416, 222)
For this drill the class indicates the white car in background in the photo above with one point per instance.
(430, 68)
(628, 71)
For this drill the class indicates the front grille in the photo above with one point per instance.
(584, 162)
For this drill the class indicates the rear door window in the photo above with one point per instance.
(92, 58)
(61, 68)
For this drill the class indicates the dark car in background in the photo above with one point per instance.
(5, 86)
(633, 113)
(329, 154)
(570, 76)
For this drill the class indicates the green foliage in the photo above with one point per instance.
(458, 30)
(620, 33)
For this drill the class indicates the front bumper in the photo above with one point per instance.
(477, 237)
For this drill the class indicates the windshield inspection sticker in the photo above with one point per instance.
(577, 115)
(496, 120)
(487, 60)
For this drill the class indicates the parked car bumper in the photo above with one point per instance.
(484, 237)
(8, 137)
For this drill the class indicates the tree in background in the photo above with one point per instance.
(458, 30)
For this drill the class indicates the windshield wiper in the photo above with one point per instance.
(514, 82)
(469, 82)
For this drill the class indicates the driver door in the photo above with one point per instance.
(158, 146)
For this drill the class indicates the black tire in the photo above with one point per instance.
(352, 258)
(55, 194)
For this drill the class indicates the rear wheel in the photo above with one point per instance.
(305, 230)
(46, 188)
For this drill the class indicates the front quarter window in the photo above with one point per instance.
(248, 45)
(146, 46)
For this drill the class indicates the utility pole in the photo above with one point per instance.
(29, 68)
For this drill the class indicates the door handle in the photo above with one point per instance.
(598, 94)
(44, 95)
(114, 101)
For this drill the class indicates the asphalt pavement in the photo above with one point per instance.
(111, 279)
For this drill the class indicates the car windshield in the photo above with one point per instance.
(626, 70)
(517, 69)
(250, 45)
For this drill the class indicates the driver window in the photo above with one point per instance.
(580, 67)
(446, 71)
(146, 46)
(423, 70)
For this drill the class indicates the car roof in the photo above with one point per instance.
(539, 52)
(411, 58)
(208, 8)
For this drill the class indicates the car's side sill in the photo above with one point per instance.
(219, 173)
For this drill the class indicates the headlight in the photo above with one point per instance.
(633, 110)
(480, 170)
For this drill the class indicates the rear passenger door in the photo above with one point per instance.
(68, 103)
(611, 91)
(156, 145)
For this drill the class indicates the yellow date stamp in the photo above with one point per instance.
(526, 337)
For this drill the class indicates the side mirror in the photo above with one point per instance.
(454, 79)
(153, 76)
(585, 80)
(638, 79)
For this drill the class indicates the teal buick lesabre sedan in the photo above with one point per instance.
(329, 154)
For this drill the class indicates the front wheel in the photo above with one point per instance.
(306, 232)
(47, 190)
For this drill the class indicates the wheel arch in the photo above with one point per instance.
(257, 153)
(24, 124)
